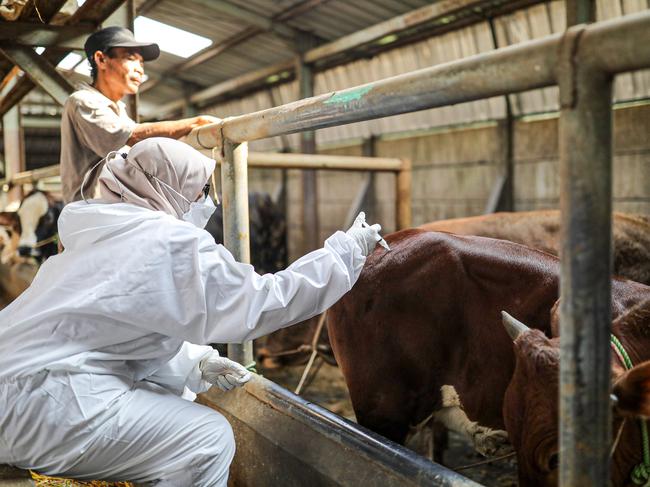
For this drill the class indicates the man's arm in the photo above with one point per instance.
(173, 129)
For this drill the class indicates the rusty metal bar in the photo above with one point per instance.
(236, 228)
(403, 186)
(513, 69)
(310, 219)
(585, 130)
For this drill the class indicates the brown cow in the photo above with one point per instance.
(541, 229)
(427, 315)
(531, 409)
(536, 229)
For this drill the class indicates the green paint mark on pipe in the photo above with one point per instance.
(349, 95)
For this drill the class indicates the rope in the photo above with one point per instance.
(314, 348)
(54, 238)
(483, 462)
(641, 473)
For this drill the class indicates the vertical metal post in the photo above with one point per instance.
(403, 185)
(585, 311)
(236, 229)
(189, 108)
(14, 149)
(369, 149)
(505, 200)
(310, 219)
(580, 12)
(124, 16)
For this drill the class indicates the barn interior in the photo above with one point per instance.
(476, 155)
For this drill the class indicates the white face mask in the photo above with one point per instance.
(200, 212)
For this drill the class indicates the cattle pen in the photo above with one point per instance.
(582, 62)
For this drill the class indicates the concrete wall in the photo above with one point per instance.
(454, 170)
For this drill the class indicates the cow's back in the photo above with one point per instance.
(427, 314)
(541, 230)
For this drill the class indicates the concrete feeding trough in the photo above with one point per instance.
(284, 440)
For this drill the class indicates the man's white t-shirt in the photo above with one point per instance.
(91, 126)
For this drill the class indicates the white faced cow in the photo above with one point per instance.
(38, 214)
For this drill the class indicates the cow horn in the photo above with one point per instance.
(513, 327)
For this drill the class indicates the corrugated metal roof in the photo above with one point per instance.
(521, 26)
(331, 19)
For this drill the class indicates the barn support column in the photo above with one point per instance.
(585, 312)
(580, 12)
(124, 16)
(14, 149)
(236, 229)
(310, 220)
(502, 196)
(403, 191)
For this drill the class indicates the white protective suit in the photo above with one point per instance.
(95, 354)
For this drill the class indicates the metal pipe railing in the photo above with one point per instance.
(582, 61)
(504, 71)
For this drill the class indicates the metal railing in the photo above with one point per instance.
(582, 61)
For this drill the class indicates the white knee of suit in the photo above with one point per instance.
(208, 471)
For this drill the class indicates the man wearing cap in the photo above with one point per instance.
(95, 120)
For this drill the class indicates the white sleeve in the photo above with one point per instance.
(243, 305)
(182, 371)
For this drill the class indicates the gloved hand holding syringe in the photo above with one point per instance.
(381, 240)
(367, 236)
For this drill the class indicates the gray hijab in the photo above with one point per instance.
(137, 178)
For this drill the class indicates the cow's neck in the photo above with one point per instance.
(629, 452)
(633, 331)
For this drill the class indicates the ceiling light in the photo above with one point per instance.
(70, 61)
(170, 39)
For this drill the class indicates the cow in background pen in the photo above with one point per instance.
(38, 213)
(541, 230)
(268, 232)
(530, 407)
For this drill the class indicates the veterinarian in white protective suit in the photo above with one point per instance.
(95, 355)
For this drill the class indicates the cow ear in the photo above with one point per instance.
(632, 390)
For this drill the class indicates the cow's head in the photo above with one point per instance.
(530, 406)
(9, 236)
(38, 220)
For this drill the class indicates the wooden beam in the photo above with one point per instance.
(41, 72)
(46, 35)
